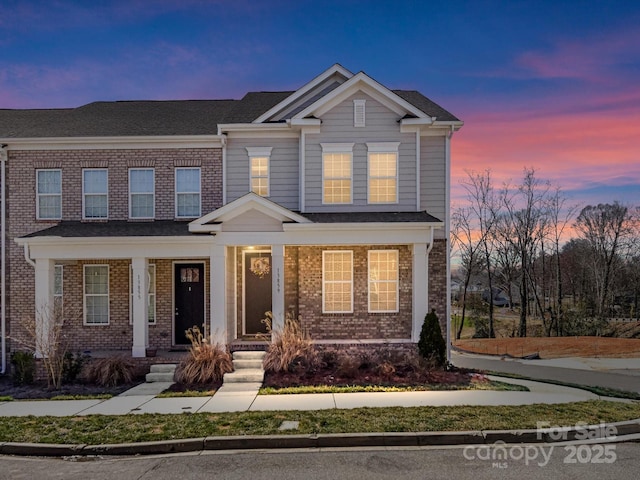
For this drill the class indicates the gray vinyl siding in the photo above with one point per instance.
(283, 169)
(382, 125)
(433, 176)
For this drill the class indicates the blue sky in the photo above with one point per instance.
(553, 85)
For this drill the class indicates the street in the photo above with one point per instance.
(619, 461)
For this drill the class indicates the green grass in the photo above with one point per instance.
(6, 398)
(187, 393)
(91, 396)
(491, 385)
(98, 429)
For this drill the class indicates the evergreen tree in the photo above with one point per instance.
(432, 345)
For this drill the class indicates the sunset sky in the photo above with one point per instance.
(553, 85)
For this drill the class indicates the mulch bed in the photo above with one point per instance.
(37, 391)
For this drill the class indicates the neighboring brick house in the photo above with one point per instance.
(330, 202)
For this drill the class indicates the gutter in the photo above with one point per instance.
(3, 258)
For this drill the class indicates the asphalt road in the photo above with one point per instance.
(620, 462)
(609, 379)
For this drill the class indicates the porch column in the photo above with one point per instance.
(420, 289)
(218, 293)
(140, 306)
(277, 286)
(44, 307)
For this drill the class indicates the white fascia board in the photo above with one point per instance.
(456, 124)
(114, 143)
(111, 248)
(362, 226)
(336, 68)
(363, 82)
(262, 130)
(305, 122)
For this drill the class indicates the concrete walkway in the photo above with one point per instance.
(239, 399)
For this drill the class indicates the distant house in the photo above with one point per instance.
(330, 202)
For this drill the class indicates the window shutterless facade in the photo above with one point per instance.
(383, 281)
(49, 193)
(95, 196)
(383, 172)
(96, 294)
(337, 173)
(259, 169)
(337, 281)
(151, 294)
(188, 192)
(141, 193)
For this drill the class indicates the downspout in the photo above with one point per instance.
(447, 233)
(224, 167)
(3, 254)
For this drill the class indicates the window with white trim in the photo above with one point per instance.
(359, 113)
(259, 160)
(337, 281)
(96, 294)
(141, 193)
(49, 193)
(383, 172)
(383, 281)
(337, 173)
(151, 294)
(95, 196)
(187, 192)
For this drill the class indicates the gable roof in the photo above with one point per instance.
(195, 117)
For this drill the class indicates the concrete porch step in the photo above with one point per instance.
(250, 363)
(245, 375)
(162, 372)
(248, 355)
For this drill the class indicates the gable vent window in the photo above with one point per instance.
(358, 113)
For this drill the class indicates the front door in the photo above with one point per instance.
(189, 300)
(257, 290)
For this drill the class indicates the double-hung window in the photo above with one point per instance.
(383, 281)
(151, 294)
(259, 159)
(141, 193)
(96, 294)
(49, 192)
(95, 187)
(337, 281)
(187, 192)
(383, 172)
(337, 173)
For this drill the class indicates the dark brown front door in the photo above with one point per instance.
(189, 300)
(257, 291)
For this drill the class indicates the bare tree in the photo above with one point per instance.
(609, 230)
(484, 206)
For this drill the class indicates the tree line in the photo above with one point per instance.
(571, 267)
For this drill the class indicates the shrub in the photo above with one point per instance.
(431, 344)
(111, 371)
(24, 367)
(207, 361)
(290, 347)
(72, 366)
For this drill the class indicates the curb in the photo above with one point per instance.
(337, 440)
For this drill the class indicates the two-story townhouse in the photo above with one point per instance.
(330, 202)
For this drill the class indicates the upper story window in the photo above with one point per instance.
(259, 159)
(141, 193)
(49, 192)
(383, 281)
(359, 113)
(95, 197)
(383, 172)
(187, 192)
(337, 173)
(337, 281)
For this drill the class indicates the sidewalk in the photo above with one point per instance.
(239, 400)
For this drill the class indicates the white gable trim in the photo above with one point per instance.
(361, 82)
(337, 68)
(250, 201)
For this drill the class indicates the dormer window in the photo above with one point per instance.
(359, 113)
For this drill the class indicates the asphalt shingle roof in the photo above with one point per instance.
(114, 228)
(368, 217)
(154, 118)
